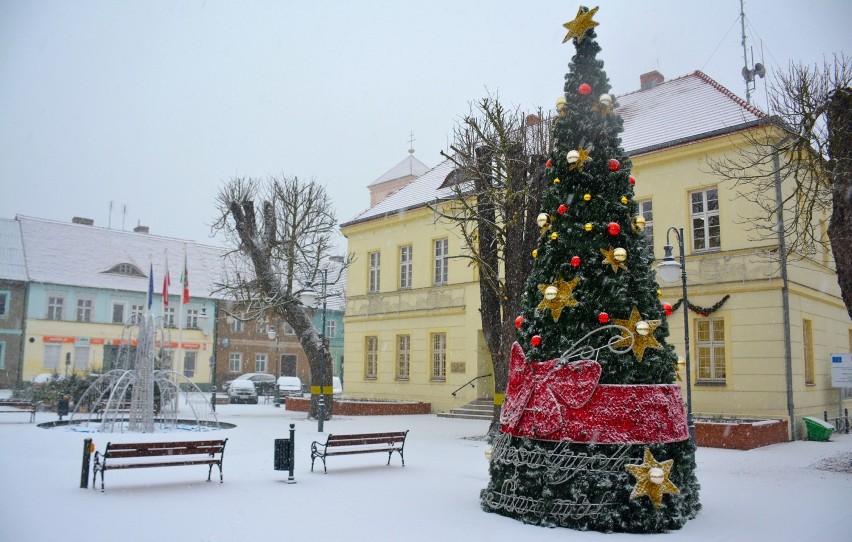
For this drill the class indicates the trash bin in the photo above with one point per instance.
(818, 429)
(283, 456)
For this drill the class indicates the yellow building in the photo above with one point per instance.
(757, 349)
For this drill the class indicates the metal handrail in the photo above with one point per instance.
(470, 382)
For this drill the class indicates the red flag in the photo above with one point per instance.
(185, 281)
(167, 281)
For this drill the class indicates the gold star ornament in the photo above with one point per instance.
(581, 23)
(576, 161)
(610, 259)
(652, 479)
(557, 296)
(642, 331)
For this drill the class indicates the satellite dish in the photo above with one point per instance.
(760, 70)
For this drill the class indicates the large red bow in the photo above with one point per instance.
(552, 401)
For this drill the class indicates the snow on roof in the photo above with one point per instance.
(12, 265)
(684, 109)
(689, 108)
(80, 255)
(408, 166)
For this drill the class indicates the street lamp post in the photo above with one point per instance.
(668, 270)
(273, 334)
(307, 295)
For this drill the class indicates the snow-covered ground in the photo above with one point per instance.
(776, 493)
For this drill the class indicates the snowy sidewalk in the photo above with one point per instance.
(768, 494)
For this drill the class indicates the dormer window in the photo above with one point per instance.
(127, 269)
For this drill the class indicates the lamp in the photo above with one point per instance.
(668, 270)
(273, 336)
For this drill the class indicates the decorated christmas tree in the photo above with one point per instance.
(594, 434)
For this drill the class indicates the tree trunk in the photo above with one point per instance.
(840, 225)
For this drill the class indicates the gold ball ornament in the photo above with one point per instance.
(541, 220)
(556, 180)
(659, 293)
(572, 157)
(587, 197)
(624, 200)
(642, 328)
(619, 254)
(554, 236)
(489, 453)
(550, 292)
(535, 253)
(588, 226)
(638, 223)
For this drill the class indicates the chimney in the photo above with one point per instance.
(82, 221)
(140, 229)
(650, 80)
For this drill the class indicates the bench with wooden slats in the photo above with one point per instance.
(18, 407)
(140, 455)
(364, 443)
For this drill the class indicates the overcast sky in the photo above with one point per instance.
(152, 105)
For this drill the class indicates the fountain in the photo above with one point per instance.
(142, 393)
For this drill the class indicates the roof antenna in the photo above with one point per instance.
(758, 70)
(411, 143)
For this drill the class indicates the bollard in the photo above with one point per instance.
(290, 478)
(88, 448)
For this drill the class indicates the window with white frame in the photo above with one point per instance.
(235, 362)
(439, 356)
(441, 261)
(235, 325)
(169, 317)
(405, 267)
(260, 362)
(710, 347)
(136, 312)
(331, 329)
(704, 212)
(52, 354)
(646, 211)
(5, 295)
(375, 261)
(260, 327)
(118, 313)
(84, 310)
(403, 357)
(371, 357)
(189, 359)
(192, 319)
(81, 357)
(55, 304)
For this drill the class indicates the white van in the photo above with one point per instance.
(289, 386)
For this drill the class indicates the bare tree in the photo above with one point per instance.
(805, 147)
(499, 156)
(281, 231)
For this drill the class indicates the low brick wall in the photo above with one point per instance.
(362, 408)
(740, 435)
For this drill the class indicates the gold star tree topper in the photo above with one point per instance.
(564, 297)
(650, 482)
(640, 342)
(581, 23)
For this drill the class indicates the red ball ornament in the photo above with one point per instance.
(536, 340)
(575, 261)
(613, 228)
(614, 165)
(584, 89)
(632, 179)
(603, 318)
(549, 163)
(561, 209)
(667, 308)
(519, 321)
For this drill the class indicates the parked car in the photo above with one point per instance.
(264, 383)
(290, 386)
(336, 386)
(242, 391)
